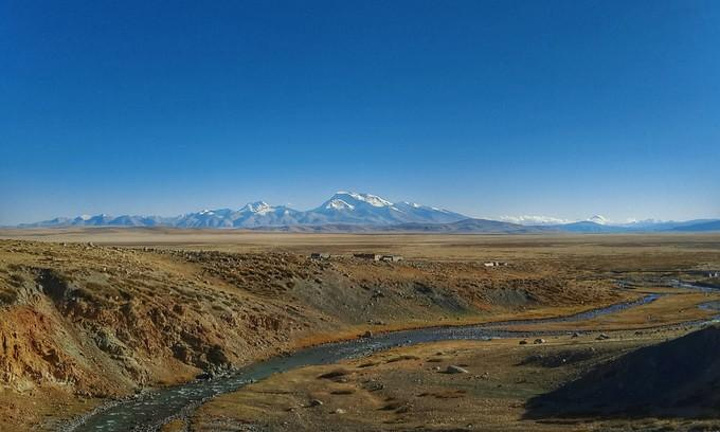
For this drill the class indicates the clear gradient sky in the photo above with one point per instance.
(559, 108)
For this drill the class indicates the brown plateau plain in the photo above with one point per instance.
(92, 316)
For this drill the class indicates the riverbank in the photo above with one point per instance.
(162, 407)
(408, 389)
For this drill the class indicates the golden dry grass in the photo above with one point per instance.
(565, 274)
(400, 390)
(644, 248)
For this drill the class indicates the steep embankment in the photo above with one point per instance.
(678, 378)
(82, 322)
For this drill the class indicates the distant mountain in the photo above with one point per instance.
(713, 225)
(251, 215)
(356, 208)
(471, 226)
(534, 220)
(588, 227)
(659, 225)
(361, 212)
(598, 219)
(343, 208)
(465, 226)
(101, 220)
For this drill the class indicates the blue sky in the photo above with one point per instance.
(561, 108)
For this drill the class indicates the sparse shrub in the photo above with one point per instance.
(335, 374)
(16, 280)
(7, 297)
(83, 293)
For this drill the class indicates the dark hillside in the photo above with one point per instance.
(679, 378)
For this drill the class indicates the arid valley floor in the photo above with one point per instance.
(92, 319)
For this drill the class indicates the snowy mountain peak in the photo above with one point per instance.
(363, 208)
(598, 219)
(338, 204)
(259, 207)
(373, 200)
(344, 207)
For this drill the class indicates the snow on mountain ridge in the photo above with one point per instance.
(534, 220)
(342, 208)
(373, 200)
(259, 207)
(338, 204)
(598, 219)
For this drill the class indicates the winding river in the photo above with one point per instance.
(149, 411)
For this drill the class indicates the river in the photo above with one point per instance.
(149, 411)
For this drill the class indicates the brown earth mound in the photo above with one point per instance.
(679, 378)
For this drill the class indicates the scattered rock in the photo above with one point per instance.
(204, 376)
(576, 335)
(316, 402)
(602, 336)
(339, 411)
(367, 334)
(373, 386)
(453, 369)
(523, 342)
(539, 341)
(403, 409)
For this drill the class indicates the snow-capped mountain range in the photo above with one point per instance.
(342, 208)
(349, 211)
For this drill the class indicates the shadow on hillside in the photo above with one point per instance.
(678, 378)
